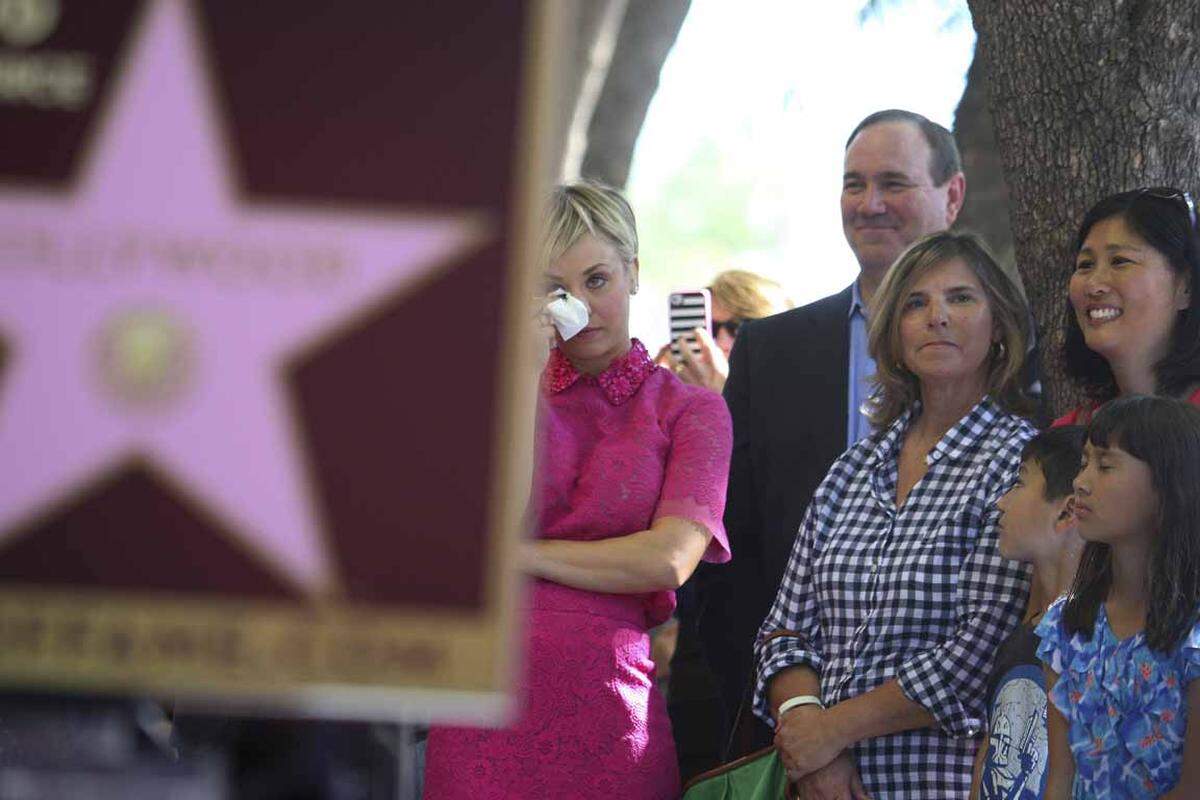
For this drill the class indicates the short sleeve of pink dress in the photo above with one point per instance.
(697, 469)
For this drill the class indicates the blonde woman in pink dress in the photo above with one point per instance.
(630, 489)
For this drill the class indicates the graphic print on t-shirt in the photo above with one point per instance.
(1015, 767)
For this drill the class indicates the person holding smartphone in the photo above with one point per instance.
(737, 296)
(628, 499)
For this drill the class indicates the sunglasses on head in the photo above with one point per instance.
(1177, 195)
(730, 325)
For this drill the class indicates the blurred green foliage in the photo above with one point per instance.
(701, 219)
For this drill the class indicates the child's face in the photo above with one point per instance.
(1114, 496)
(1026, 516)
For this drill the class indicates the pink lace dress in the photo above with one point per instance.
(616, 452)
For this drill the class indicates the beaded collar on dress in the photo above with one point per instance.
(618, 383)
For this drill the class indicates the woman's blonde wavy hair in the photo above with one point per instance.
(896, 388)
(747, 295)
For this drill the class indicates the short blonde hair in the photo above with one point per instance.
(589, 207)
(748, 295)
(896, 388)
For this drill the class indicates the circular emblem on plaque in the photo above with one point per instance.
(146, 358)
(28, 22)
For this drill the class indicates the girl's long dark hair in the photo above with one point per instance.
(1165, 435)
(1165, 225)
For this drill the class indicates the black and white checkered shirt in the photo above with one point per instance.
(919, 594)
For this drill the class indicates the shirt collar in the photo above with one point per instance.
(619, 382)
(953, 444)
(856, 303)
(967, 432)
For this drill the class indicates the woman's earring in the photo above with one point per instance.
(1000, 348)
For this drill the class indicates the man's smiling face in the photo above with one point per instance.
(888, 197)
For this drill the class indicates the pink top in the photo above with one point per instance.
(1083, 414)
(622, 449)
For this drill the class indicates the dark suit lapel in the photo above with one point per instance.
(832, 438)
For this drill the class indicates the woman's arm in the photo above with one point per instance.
(658, 559)
(1189, 781)
(879, 712)
(949, 680)
(787, 652)
(792, 682)
(977, 770)
(1060, 772)
(687, 518)
(825, 734)
(839, 777)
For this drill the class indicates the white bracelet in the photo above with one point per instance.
(799, 700)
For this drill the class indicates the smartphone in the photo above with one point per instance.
(688, 309)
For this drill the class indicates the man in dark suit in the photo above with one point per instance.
(797, 381)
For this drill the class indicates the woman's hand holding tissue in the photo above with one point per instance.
(569, 313)
(546, 335)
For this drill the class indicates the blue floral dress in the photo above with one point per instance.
(1125, 704)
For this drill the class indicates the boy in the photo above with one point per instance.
(1037, 526)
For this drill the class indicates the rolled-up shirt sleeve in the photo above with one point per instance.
(790, 636)
(950, 680)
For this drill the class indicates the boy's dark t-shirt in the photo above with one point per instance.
(1015, 764)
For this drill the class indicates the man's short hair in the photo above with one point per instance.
(944, 160)
(1058, 452)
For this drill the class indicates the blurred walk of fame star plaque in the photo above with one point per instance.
(260, 348)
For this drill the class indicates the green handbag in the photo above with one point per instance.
(758, 776)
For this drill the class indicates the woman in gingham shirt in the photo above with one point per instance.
(881, 639)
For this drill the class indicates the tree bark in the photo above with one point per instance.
(648, 31)
(582, 65)
(986, 208)
(1089, 97)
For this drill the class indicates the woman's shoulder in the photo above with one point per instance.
(1061, 649)
(1014, 431)
(1189, 645)
(857, 454)
(1009, 423)
(847, 470)
(1076, 416)
(1000, 450)
(674, 399)
(1081, 415)
(1050, 625)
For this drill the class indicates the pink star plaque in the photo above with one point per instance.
(159, 322)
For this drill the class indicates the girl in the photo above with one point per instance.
(1123, 648)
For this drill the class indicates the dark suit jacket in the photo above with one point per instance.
(786, 391)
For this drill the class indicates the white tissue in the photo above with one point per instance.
(569, 314)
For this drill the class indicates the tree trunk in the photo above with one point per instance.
(589, 30)
(1089, 97)
(986, 209)
(594, 25)
(648, 31)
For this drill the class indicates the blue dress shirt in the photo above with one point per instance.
(862, 367)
